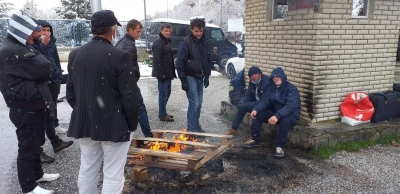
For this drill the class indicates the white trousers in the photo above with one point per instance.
(92, 155)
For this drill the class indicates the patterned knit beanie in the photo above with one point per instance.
(22, 26)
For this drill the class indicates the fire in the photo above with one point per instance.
(176, 147)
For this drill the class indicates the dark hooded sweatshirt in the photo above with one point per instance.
(283, 100)
(51, 54)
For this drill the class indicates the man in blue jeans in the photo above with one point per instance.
(279, 105)
(194, 68)
(127, 43)
(258, 85)
(163, 70)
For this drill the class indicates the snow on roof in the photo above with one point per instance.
(174, 21)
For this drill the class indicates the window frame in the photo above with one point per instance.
(366, 10)
(274, 6)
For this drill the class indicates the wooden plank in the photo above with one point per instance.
(163, 154)
(149, 158)
(207, 158)
(158, 135)
(166, 165)
(191, 143)
(192, 133)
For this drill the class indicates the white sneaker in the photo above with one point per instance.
(59, 129)
(39, 190)
(279, 152)
(48, 177)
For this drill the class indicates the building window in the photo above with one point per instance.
(280, 9)
(359, 9)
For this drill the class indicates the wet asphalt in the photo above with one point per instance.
(373, 170)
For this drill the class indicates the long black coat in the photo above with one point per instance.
(101, 89)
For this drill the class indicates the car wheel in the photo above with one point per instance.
(222, 61)
(231, 71)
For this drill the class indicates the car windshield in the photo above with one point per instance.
(217, 34)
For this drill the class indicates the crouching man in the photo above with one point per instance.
(280, 105)
(258, 85)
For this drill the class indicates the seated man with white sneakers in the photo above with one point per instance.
(279, 105)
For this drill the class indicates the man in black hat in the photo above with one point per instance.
(101, 91)
(257, 86)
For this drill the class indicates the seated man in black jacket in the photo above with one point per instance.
(279, 105)
(257, 87)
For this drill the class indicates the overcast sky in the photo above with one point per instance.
(124, 9)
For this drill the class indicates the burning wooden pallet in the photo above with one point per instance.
(182, 155)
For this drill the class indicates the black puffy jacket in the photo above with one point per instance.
(23, 73)
(163, 59)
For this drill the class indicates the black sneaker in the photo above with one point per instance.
(279, 152)
(251, 144)
(44, 158)
(63, 145)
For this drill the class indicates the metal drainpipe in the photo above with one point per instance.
(95, 5)
(145, 24)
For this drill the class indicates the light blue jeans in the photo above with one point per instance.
(195, 98)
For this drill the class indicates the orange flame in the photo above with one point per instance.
(176, 147)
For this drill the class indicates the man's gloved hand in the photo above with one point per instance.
(241, 105)
(184, 85)
(206, 81)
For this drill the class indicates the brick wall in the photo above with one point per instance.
(325, 52)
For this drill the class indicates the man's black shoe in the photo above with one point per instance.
(166, 118)
(44, 158)
(251, 144)
(172, 116)
(63, 145)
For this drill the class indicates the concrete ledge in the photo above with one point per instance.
(315, 135)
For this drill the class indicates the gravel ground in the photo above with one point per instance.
(373, 170)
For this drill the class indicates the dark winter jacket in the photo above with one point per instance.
(127, 43)
(51, 53)
(101, 89)
(163, 59)
(286, 97)
(250, 95)
(23, 73)
(193, 57)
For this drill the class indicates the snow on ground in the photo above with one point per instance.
(145, 70)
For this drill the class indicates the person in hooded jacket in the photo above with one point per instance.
(258, 85)
(279, 105)
(46, 45)
(23, 73)
(163, 70)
